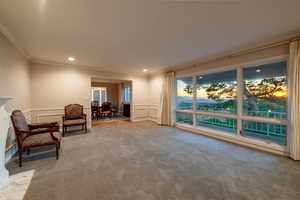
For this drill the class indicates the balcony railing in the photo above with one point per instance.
(265, 131)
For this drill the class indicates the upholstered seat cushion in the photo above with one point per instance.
(74, 122)
(41, 139)
(42, 130)
(43, 125)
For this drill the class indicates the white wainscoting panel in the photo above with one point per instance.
(140, 112)
(143, 112)
(154, 112)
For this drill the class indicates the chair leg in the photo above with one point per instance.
(63, 131)
(20, 158)
(57, 151)
(28, 151)
(85, 127)
(59, 147)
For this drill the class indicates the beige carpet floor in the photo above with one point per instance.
(143, 161)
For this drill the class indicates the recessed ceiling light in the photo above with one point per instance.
(258, 70)
(72, 59)
(145, 70)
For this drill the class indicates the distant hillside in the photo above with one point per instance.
(199, 100)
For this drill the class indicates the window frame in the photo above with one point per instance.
(239, 116)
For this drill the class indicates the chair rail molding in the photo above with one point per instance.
(4, 125)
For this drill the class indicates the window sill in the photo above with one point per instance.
(237, 139)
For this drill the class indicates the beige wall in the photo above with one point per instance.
(112, 90)
(53, 87)
(14, 82)
(14, 75)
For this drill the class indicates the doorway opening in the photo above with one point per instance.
(111, 101)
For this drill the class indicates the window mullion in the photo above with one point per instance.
(194, 99)
(240, 91)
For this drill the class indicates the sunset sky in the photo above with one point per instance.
(201, 93)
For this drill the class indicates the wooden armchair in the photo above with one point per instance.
(106, 110)
(34, 135)
(74, 116)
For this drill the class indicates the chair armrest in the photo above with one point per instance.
(50, 131)
(24, 132)
(43, 125)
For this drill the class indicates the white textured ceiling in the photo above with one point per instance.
(128, 35)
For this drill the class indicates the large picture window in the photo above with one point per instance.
(248, 101)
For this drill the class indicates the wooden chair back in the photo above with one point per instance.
(73, 111)
(106, 106)
(19, 124)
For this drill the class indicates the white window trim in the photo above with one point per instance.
(236, 138)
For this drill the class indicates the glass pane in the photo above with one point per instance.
(96, 95)
(103, 96)
(185, 118)
(129, 95)
(184, 98)
(217, 92)
(264, 131)
(217, 123)
(265, 91)
(126, 94)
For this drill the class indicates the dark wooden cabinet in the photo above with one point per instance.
(126, 110)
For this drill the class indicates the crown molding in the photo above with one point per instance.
(12, 39)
